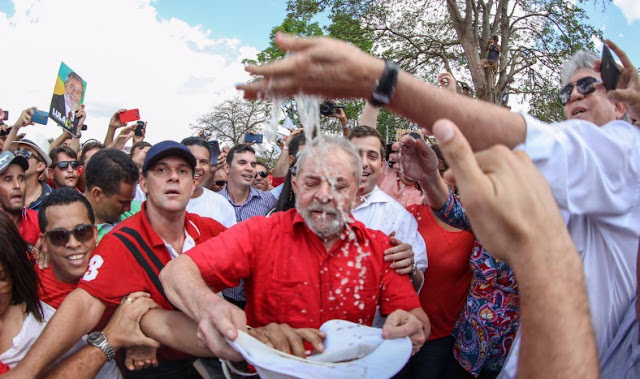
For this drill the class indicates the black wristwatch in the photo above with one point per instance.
(386, 84)
(99, 340)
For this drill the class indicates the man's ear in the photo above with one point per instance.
(226, 168)
(619, 109)
(49, 173)
(294, 185)
(41, 167)
(143, 184)
(97, 194)
(43, 245)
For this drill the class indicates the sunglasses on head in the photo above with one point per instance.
(263, 174)
(220, 183)
(60, 237)
(26, 154)
(63, 165)
(585, 86)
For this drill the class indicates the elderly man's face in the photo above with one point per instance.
(594, 107)
(73, 91)
(325, 192)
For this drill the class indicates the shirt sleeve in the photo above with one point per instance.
(226, 259)
(407, 231)
(396, 291)
(453, 214)
(583, 162)
(109, 264)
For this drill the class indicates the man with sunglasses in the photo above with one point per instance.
(261, 181)
(64, 167)
(128, 259)
(220, 179)
(205, 202)
(12, 192)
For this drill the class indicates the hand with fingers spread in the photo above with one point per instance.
(114, 122)
(125, 135)
(418, 161)
(284, 338)
(312, 61)
(405, 324)
(628, 89)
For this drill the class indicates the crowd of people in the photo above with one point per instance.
(497, 244)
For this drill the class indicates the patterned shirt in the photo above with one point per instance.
(489, 320)
(258, 203)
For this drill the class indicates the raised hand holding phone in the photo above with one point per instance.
(627, 89)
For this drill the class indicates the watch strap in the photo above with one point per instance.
(386, 85)
(104, 346)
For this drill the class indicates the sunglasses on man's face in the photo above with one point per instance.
(63, 165)
(263, 174)
(585, 86)
(26, 154)
(220, 183)
(60, 237)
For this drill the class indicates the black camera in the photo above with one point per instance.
(328, 107)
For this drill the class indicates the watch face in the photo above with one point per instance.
(95, 338)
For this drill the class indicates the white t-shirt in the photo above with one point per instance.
(213, 205)
(31, 330)
(594, 174)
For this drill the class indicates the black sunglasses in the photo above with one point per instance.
(26, 154)
(63, 165)
(60, 237)
(263, 174)
(585, 86)
(220, 183)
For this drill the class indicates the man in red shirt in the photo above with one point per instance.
(301, 267)
(69, 238)
(127, 260)
(12, 195)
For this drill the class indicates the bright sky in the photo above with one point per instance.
(174, 60)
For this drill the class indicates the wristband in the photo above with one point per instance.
(413, 269)
(386, 85)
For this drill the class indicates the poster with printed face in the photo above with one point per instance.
(68, 96)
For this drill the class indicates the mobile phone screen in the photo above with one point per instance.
(609, 69)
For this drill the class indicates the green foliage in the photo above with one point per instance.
(302, 27)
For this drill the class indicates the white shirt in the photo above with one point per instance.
(381, 212)
(31, 330)
(140, 197)
(594, 174)
(213, 205)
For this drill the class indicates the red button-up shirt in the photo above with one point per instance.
(291, 278)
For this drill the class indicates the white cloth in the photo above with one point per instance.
(188, 244)
(594, 174)
(213, 205)
(140, 197)
(30, 332)
(381, 212)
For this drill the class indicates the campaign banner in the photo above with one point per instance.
(68, 96)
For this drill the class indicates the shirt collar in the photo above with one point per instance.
(189, 226)
(252, 193)
(376, 196)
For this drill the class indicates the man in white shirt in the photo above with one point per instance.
(205, 202)
(379, 211)
(590, 161)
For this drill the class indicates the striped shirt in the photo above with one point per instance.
(258, 204)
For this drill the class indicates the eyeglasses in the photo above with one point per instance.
(263, 174)
(63, 165)
(220, 183)
(585, 86)
(60, 237)
(26, 154)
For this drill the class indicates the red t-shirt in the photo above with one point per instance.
(447, 280)
(29, 228)
(52, 291)
(291, 278)
(277, 181)
(114, 272)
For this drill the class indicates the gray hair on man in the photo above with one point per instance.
(319, 148)
(73, 75)
(581, 59)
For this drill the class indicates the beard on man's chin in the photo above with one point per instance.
(329, 224)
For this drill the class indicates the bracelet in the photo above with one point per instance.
(413, 269)
(386, 86)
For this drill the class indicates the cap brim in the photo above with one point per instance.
(44, 156)
(171, 152)
(383, 361)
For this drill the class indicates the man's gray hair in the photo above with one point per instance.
(320, 147)
(73, 75)
(581, 59)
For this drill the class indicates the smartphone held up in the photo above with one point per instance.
(609, 70)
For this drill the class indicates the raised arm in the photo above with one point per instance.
(332, 68)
